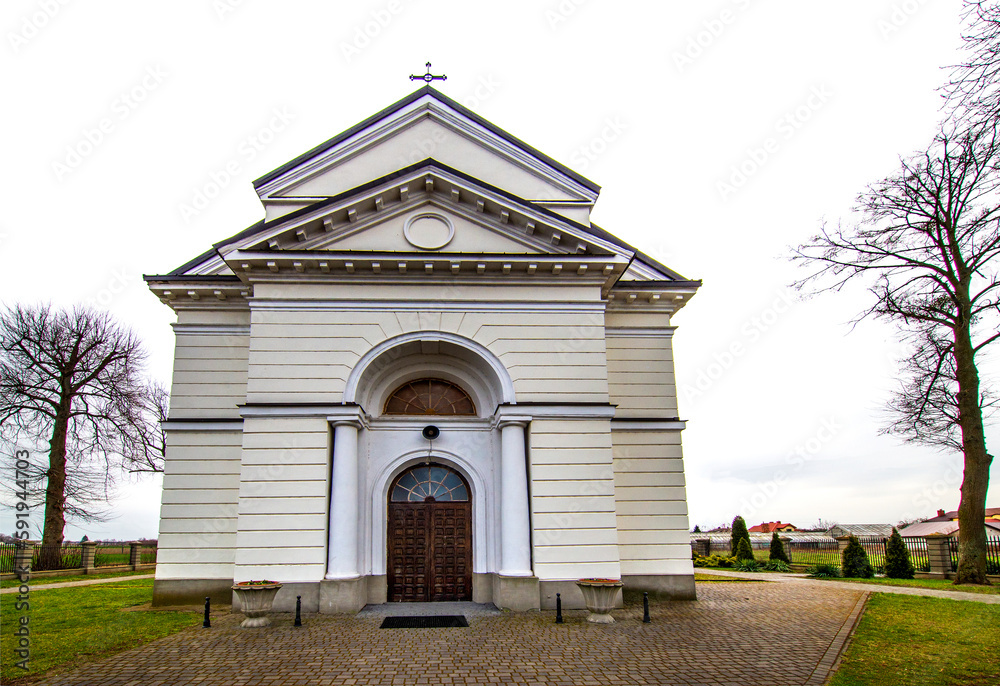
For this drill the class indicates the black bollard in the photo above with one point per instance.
(207, 624)
(298, 610)
(645, 608)
(559, 619)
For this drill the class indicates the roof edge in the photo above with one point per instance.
(409, 99)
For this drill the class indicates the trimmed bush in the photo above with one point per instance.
(778, 549)
(854, 562)
(744, 551)
(777, 566)
(897, 558)
(824, 572)
(739, 532)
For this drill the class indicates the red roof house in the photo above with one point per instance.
(768, 527)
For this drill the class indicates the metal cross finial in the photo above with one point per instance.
(428, 77)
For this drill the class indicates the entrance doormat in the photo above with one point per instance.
(432, 622)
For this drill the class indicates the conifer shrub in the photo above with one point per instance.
(744, 551)
(778, 549)
(823, 571)
(748, 566)
(739, 531)
(854, 562)
(897, 558)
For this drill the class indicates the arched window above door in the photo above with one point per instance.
(429, 396)
(430, 483)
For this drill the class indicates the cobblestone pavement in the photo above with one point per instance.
(727, 637)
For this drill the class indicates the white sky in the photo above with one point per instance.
(186, 87)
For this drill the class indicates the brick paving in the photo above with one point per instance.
(726, 638)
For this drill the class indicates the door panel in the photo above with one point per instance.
(430, 551)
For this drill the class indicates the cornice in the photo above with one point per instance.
(356, 141)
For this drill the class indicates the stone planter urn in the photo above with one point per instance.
(256, 598)
(599, 595)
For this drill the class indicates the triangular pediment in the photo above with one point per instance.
(426, 124)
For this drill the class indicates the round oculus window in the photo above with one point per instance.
(428, 231)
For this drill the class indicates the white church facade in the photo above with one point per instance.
(425, 375)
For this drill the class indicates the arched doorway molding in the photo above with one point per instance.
(481, 496)
(438, 354)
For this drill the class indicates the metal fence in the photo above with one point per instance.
(112, 555)
(7, 557)
(818, 552)
(992, 554)
(49, 557)
(147, 555)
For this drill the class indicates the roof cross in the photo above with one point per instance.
(428, 77)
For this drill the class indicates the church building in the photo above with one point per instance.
(425, 375)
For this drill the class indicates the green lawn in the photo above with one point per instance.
(72, 625)
(715, 578)
(917, 641)
(936, 584)
(14, 583)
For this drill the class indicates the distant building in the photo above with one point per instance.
(770, 527)
(883, 530)
(947, 523)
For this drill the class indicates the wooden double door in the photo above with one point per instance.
(430, 549)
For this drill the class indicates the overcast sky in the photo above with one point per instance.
(119, 114)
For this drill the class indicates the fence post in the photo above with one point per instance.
(705, 544)
(939, 554)
(787, 542)
(87, 554)
(842, 542)
(134, 555)
(24, 551)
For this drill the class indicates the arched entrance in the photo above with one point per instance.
(429, 536)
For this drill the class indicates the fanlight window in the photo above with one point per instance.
(430, 396)
(430, 484)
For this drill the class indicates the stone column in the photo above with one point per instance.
(89, 550)
(703, 546)
(939, 555)
(842, 542)
(342, 560)
(787, 542)
(515, 535)
(23, 554)
(134, 555)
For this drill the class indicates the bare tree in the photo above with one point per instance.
(926, 245)
(973, 89)
(73, 379)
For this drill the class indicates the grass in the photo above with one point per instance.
(936, 584)
(717, 579)
(919, 641)
(73, 625)
(14, 583)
